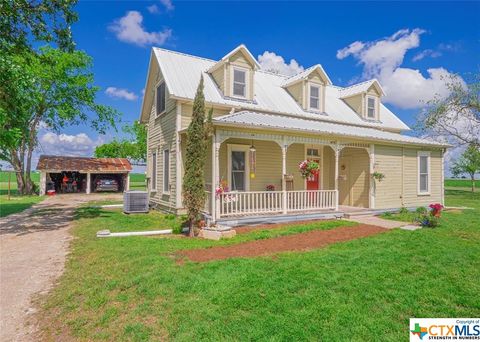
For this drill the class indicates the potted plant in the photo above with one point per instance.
(378, 176)
(270, 187)
(308, 168)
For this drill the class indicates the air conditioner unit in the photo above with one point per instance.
(135, 202)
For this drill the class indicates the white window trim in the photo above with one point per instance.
(241, 148)
(156, 87)
(375, 107)
(153, 185)
(166, 192)
(319, 86)
(247, 79)
(429, 173)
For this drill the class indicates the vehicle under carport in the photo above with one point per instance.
(82, 174)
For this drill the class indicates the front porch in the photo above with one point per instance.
(260, 171)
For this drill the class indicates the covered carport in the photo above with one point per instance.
(81, 174)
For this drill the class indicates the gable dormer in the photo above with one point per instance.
(308, 88)
(235, 72)
(364, 98)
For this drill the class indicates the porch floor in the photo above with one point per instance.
(328, 214)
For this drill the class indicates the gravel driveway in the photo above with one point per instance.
(33, 247)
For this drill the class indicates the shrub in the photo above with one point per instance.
(430, 218)
(421, 210)
(403, 211)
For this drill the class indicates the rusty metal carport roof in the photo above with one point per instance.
(83, 164)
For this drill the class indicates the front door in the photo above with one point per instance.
(313, 182)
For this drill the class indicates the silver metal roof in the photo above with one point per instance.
(290, 123)
(182, 75)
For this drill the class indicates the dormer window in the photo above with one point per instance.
(371, 107)
(239, 82)
(314, 97)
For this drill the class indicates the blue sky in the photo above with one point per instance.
(394, 41)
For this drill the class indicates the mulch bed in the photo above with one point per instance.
(297, 242)
(268, 226)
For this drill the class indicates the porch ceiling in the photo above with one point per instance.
(287, 123)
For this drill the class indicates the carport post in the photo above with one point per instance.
(43, 183)
(127, 185)
(88, 183)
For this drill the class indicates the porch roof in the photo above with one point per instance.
(289, 123)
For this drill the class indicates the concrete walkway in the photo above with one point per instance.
(380, 222)
(33, 248)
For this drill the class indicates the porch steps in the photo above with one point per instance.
(365, 212)
(243, 221)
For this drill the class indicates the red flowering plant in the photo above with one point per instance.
(270, 187)
(430, 218)
(308, 168)
(436, 209)
(221, 188)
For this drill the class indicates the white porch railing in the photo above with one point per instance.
(269, 202)
(311, 200)
(251, 202)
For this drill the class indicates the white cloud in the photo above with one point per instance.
(69, 145)
(270, 61)
(426, 53)
(353, 48)
(167, 4)
(153, 9)
(121, 93)
(406, 88)
(130, 29)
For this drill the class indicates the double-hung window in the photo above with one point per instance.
(314, 97)
(423, 172)
(166, 171)
(371, 108)
(239, 82)
(153, 179)
(160, 98)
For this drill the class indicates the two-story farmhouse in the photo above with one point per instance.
(266, 124)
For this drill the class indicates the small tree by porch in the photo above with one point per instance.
(195, 159)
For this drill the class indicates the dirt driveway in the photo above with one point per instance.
(33, 247)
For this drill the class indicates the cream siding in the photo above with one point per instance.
(399, 188)
(268, 164)
(296, 91)
(354, 187)
(219, 77)
(161, 136)
(187, 110)
(356, 103)
(328, 168)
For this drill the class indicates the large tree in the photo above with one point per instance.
(469, 163)
(23, 22)
(56, 90)
(134, 148)
(455, 118)
(198, 133)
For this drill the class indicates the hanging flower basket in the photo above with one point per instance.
(308, 168)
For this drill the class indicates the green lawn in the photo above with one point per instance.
(16, 203)
(365, 289)
(461, 183)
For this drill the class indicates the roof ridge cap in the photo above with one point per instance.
(185, 54)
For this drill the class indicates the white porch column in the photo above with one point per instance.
(215, 178)
(43, 183)
(89, 181)
(337, 154)
(371, 154)
(442, 186)
(284, 172)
